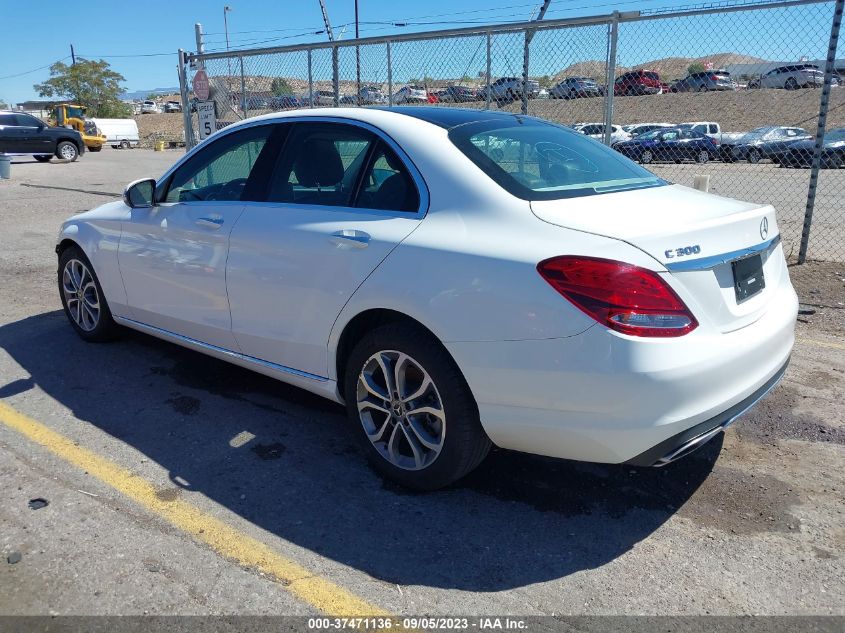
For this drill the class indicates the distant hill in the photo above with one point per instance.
(668, 67)
(142, 94)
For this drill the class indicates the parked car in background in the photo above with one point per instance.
(285, 102)
(371, 95)
(575, 87)
(319, 98)
(508, 89)
(792, 77)
(458, 94)
(149, 107)
(410, 94)
(705, 81)
(172, 106)
(596, 131)
(577, 307)
(769, 142)
(635, 129)
(800, 153)
(120, 133)
(672, 144)
(638, 82)
(23, 134)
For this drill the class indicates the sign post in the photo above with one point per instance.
(206, 118)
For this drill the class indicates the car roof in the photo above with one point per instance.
(449, 117)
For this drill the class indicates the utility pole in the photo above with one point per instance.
(72, 56)
(200, 37)
(357, 60)
(529, 35)
(326, 21)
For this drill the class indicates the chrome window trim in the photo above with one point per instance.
(416, 176)
(138, 325)
(706, 263)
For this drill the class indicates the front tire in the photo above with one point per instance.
(703, 156)
(412, 409)
(646, 157)
(83, 299)
(754, 156)
(67, 151)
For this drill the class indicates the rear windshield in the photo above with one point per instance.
(536, 160)
(651, 75)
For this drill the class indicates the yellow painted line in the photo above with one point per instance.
(224, 539)
(809, 341)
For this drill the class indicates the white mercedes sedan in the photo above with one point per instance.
(458, 278)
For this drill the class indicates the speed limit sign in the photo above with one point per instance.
(207, 119)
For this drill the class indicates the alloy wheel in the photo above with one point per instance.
(400, 409)
(81, 296)
(67, 152)
(703, 156)
(646, 156)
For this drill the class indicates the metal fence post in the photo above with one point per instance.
(829, 71)
(335, 76)
(389, 75)
(310, 82)
(487, 78)
(243, 88)
(526, 45)
(611, 76)
(186, 108)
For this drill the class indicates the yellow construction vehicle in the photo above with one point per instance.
(72, 116)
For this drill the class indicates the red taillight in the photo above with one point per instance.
(714, 78)
(624, 297)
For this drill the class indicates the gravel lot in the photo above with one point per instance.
(751, 524)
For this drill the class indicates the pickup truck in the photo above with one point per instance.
(711, 129)
(23, 134)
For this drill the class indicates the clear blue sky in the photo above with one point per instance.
(117, 30)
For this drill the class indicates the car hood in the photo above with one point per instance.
(115, 210)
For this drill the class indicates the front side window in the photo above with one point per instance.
(537, 160)
(8, 119)
(221, 170)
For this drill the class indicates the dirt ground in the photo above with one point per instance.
(752, 524)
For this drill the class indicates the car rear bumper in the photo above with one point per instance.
(603, 397)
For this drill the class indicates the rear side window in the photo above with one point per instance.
(536, 160)
(321, 164)
(387, 185)
(8, 119)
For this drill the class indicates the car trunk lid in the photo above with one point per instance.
(696, 236)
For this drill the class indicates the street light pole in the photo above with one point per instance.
(226, 9)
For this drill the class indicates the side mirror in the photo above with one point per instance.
(140, 193)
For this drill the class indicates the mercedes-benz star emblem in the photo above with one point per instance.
(764, 228)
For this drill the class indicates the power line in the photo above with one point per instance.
(27, 72)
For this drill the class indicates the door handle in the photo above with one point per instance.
(350, 238)
(212, 222)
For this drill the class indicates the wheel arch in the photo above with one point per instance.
(358, 326)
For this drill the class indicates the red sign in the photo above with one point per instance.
(201, 85)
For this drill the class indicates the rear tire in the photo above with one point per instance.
(67, 151)
(423, 451)
(125, 145)
(43, 158)
(82, 298)
(754, 156)
(791, 84)
(703, 156)
(646, 157)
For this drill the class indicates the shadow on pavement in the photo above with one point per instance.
(286, 461)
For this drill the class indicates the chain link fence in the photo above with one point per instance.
(730, 98)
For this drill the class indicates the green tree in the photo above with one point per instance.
(545, 81)
(280, 87)
(91, 83)
(695, 67)
(3, 105)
